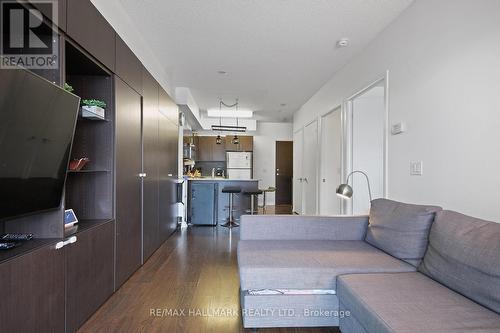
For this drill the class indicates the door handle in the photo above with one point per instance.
(305, 179)
(68, 241)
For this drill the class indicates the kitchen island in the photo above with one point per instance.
(207, 205)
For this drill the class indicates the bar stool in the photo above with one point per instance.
(265, 191)
(252, 194)
(231, 190)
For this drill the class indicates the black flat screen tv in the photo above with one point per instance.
(37, 124)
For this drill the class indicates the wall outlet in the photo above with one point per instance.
(416, 168)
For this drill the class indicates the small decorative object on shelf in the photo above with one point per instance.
(93, 109)
(70, 222)
(78, 164)
(68, 87)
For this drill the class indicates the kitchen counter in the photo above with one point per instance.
(221, 179)
(218, 207)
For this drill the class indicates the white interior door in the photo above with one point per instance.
(310, 171)
(330, 162)
(298, 143)
(368, 146)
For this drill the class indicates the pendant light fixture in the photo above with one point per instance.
(236, 140)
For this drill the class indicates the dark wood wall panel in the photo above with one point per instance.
(150, 145)
(128, 184)
(90, 274)
(128, 66)
(32, 289)
(91, 30)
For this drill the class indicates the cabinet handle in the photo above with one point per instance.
(68, 241)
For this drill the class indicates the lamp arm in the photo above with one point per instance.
(367, 181)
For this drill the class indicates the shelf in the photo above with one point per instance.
(80, 118)
(25, 248)
(87, 171)
(89, 224)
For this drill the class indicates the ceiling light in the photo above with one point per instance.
(344, 42)
(222, 72)
(226, 128)
(218, 113)
(283, 104)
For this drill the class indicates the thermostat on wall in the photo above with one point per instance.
(398, 128)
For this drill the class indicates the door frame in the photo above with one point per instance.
(348, 114)
(316, 158)
(301, 189)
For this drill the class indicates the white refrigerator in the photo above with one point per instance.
(239, 165)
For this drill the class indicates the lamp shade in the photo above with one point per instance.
(344, 191)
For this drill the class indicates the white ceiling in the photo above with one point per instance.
(274, 51)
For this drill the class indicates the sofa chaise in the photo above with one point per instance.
(404, 268)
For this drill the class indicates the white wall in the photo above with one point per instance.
(264, 148)
(444, 70)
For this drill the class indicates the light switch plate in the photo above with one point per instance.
(398, 128)
(416, 168)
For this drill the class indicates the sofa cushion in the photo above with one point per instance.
(464, 255)
(297, 264)
(400, 229)
(409, 302)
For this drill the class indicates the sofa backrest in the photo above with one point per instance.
(464, 255)
(400, 229)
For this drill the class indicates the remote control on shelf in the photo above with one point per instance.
(7, 245)
(15, 237)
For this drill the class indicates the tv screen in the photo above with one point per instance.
(37, 123)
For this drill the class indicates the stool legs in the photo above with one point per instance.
(230, 221)
(252, 204)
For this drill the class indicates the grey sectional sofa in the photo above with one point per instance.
(404, 268)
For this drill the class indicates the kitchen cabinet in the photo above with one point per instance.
(89, 273)
(246, 143)
(209, 151)
(32, 289)
(128, 183)
(203, 203)
(128, 66)
(91, 30)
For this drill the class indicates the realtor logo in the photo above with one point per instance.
(29, 34)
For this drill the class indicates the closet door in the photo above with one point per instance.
(128, 181)
(168, 165)
(298, 144)
(331, 163)
(151, 158)
(310, 171)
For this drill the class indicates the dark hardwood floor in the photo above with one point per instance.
(195, 269)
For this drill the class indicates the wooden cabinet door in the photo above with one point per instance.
(230, 146)
(89, 273)
(128, 66)
(204, 149)
(246, 143)
(61, 12)
(168, 176)
(151, 158)
(218, 151)
(32, 289)
(128, 182)
(91, 30)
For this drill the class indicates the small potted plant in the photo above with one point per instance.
(93, 108)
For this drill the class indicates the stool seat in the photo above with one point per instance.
(252, 192)
(231, 189)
